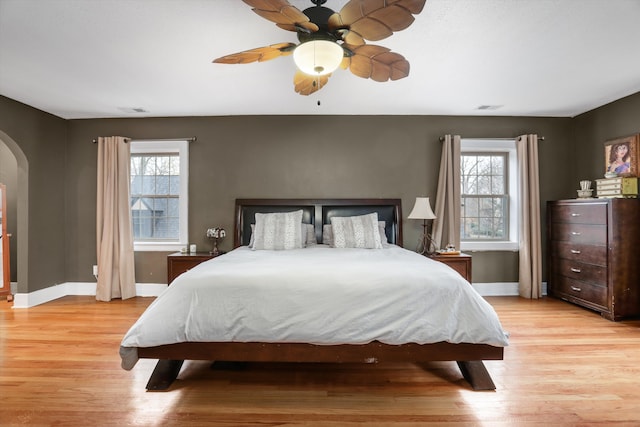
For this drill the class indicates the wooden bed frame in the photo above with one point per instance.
(469, 357)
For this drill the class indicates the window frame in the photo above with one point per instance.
(180, 147)
(492, 147)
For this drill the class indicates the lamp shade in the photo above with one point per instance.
(318, 57)
(422, 209)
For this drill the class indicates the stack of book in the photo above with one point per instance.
(618, 187)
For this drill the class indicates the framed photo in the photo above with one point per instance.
(621, 156)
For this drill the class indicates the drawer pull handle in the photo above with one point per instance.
(575, 270)
(575, 214)
(575, 251)
(576, 289)
(575, 233)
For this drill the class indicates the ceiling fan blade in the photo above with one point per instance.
(377, 63)
(307, 27)
(376, 19)
(285, 15)
(306, 84)
(259, 54)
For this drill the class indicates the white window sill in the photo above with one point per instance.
(489, 246)
(158, 247)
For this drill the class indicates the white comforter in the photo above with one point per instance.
(318, 295)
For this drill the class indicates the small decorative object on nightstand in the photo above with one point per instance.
(422, 210)
(215, 234)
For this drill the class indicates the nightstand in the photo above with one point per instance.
(178, 263)
(460, 263)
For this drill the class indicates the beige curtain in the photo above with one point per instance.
(530, 280)
(116, 278)
(446, 226)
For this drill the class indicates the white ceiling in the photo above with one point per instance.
(100, 58)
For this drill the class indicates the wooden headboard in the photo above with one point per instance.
(318, 212)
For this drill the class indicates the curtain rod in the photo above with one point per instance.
(540, 138)
(190, 139)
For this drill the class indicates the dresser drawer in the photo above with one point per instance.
(182, 265)
(580, 233)
(596, 274)
(580, 213)
(590, 254)
(566, 286)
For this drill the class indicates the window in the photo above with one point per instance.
(488, 214)
(159, 188)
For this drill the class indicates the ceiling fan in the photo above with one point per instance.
(329, 40)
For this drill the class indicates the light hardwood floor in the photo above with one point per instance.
(59, 366)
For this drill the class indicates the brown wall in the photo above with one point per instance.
(40, 138)
(279, 156)
(301, 156)
(592, 129)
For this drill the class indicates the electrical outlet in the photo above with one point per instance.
(95, 270)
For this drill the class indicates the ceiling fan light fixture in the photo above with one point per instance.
(318, 57)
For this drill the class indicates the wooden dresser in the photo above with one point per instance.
(593, 254)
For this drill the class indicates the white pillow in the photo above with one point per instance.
(278, 231)
(356, 232)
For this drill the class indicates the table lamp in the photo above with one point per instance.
(422, 210)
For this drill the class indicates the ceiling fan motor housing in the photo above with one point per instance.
(319, 15)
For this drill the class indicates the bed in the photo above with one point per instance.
(369, 306)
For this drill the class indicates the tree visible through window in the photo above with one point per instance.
(155, 196)
(484, 194)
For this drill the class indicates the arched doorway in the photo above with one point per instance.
(5, 262)
(14, 174)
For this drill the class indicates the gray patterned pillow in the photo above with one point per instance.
(356, 232)
(327, 234)
(278, 231)
(307, 235)
(310, 234)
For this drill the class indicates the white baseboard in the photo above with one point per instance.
(154, 289)
(77, 288)
(496, 289)
(501, 289)
(149, 289)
